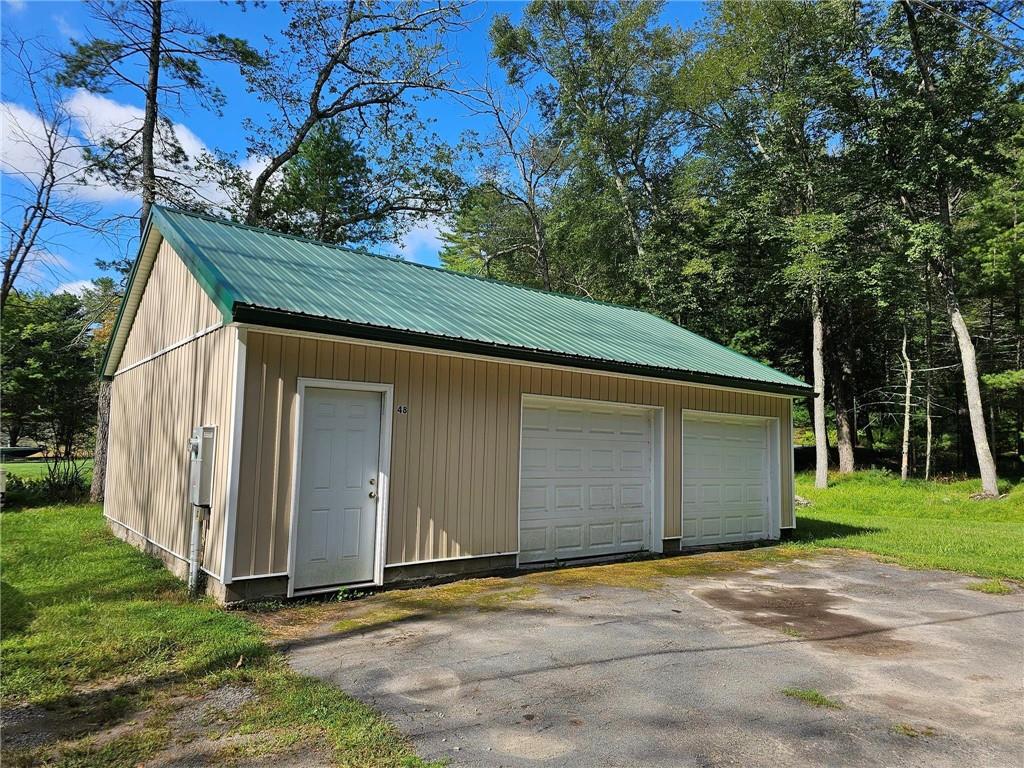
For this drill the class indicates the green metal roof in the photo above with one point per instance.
(256, 275)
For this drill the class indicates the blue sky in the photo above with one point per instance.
(53, 24)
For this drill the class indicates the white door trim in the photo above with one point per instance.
(383, 473)
(792, 472)
(234, 458)
(657, 413)
(774, 464)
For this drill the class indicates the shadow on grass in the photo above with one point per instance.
(811, 530)
(80, 714)
(17, 610)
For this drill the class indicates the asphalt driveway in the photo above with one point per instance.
(694, 672)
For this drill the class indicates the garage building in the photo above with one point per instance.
(372, 420)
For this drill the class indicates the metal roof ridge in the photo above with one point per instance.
(398, 260)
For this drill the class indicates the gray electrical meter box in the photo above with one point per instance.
(200, 478)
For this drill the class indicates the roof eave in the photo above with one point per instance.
(285, 320)
(111, 358)
(157, 226)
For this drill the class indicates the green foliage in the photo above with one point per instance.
(117, 52)
(49, 368)
(321, 192)
(62, 481)
(992, 587)
(490, 237)
(1007, 381)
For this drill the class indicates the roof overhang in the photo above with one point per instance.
(137, 279)
(157, 229)
(277, 318)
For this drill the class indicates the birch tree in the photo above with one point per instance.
(935, 70)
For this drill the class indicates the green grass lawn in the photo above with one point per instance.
(100, 633)
(917, 524)
(29, 470)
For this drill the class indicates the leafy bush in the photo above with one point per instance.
(65, 481)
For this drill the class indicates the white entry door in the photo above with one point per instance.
(585, 480)
(336, 529)
(727, 480)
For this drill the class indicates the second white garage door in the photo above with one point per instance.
(585, 480)
(729, 479)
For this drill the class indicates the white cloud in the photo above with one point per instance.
(75, 287)
(64, 28)
(93, 118)
(23, 154)
(422, 243)
(15, 5)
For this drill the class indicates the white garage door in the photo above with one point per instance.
(727, 480)
(585, 480)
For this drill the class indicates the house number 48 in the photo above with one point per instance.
(403, 409)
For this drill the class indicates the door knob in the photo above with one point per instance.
(373, 481)
(373, 494)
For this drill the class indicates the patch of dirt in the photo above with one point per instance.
(213, 708)
(199, 731)
(393, 607)
(29, 726)
(809, 614)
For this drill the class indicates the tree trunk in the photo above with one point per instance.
(1019, 338)
(944, 273)
(844, 440)
(1020, 364)
(540, 243)
(843, 407)
(99, 465)
(928, 433)
(150, 119)
(149, 122)
(968, 358)
(818, 362)
(928, 376)
(629, 214)
(908, 376)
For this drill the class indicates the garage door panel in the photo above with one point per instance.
(568, 460)
(633, 533)
(568, 498)
(543, 461)
(586, 482)
(568, 537)
(633, 495)
(533, 540)
(726, 480)
(602, 459)
(601, 497)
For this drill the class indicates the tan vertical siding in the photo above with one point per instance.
(156, 404)
(173, 307)
(153, 409)
(455, 455)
